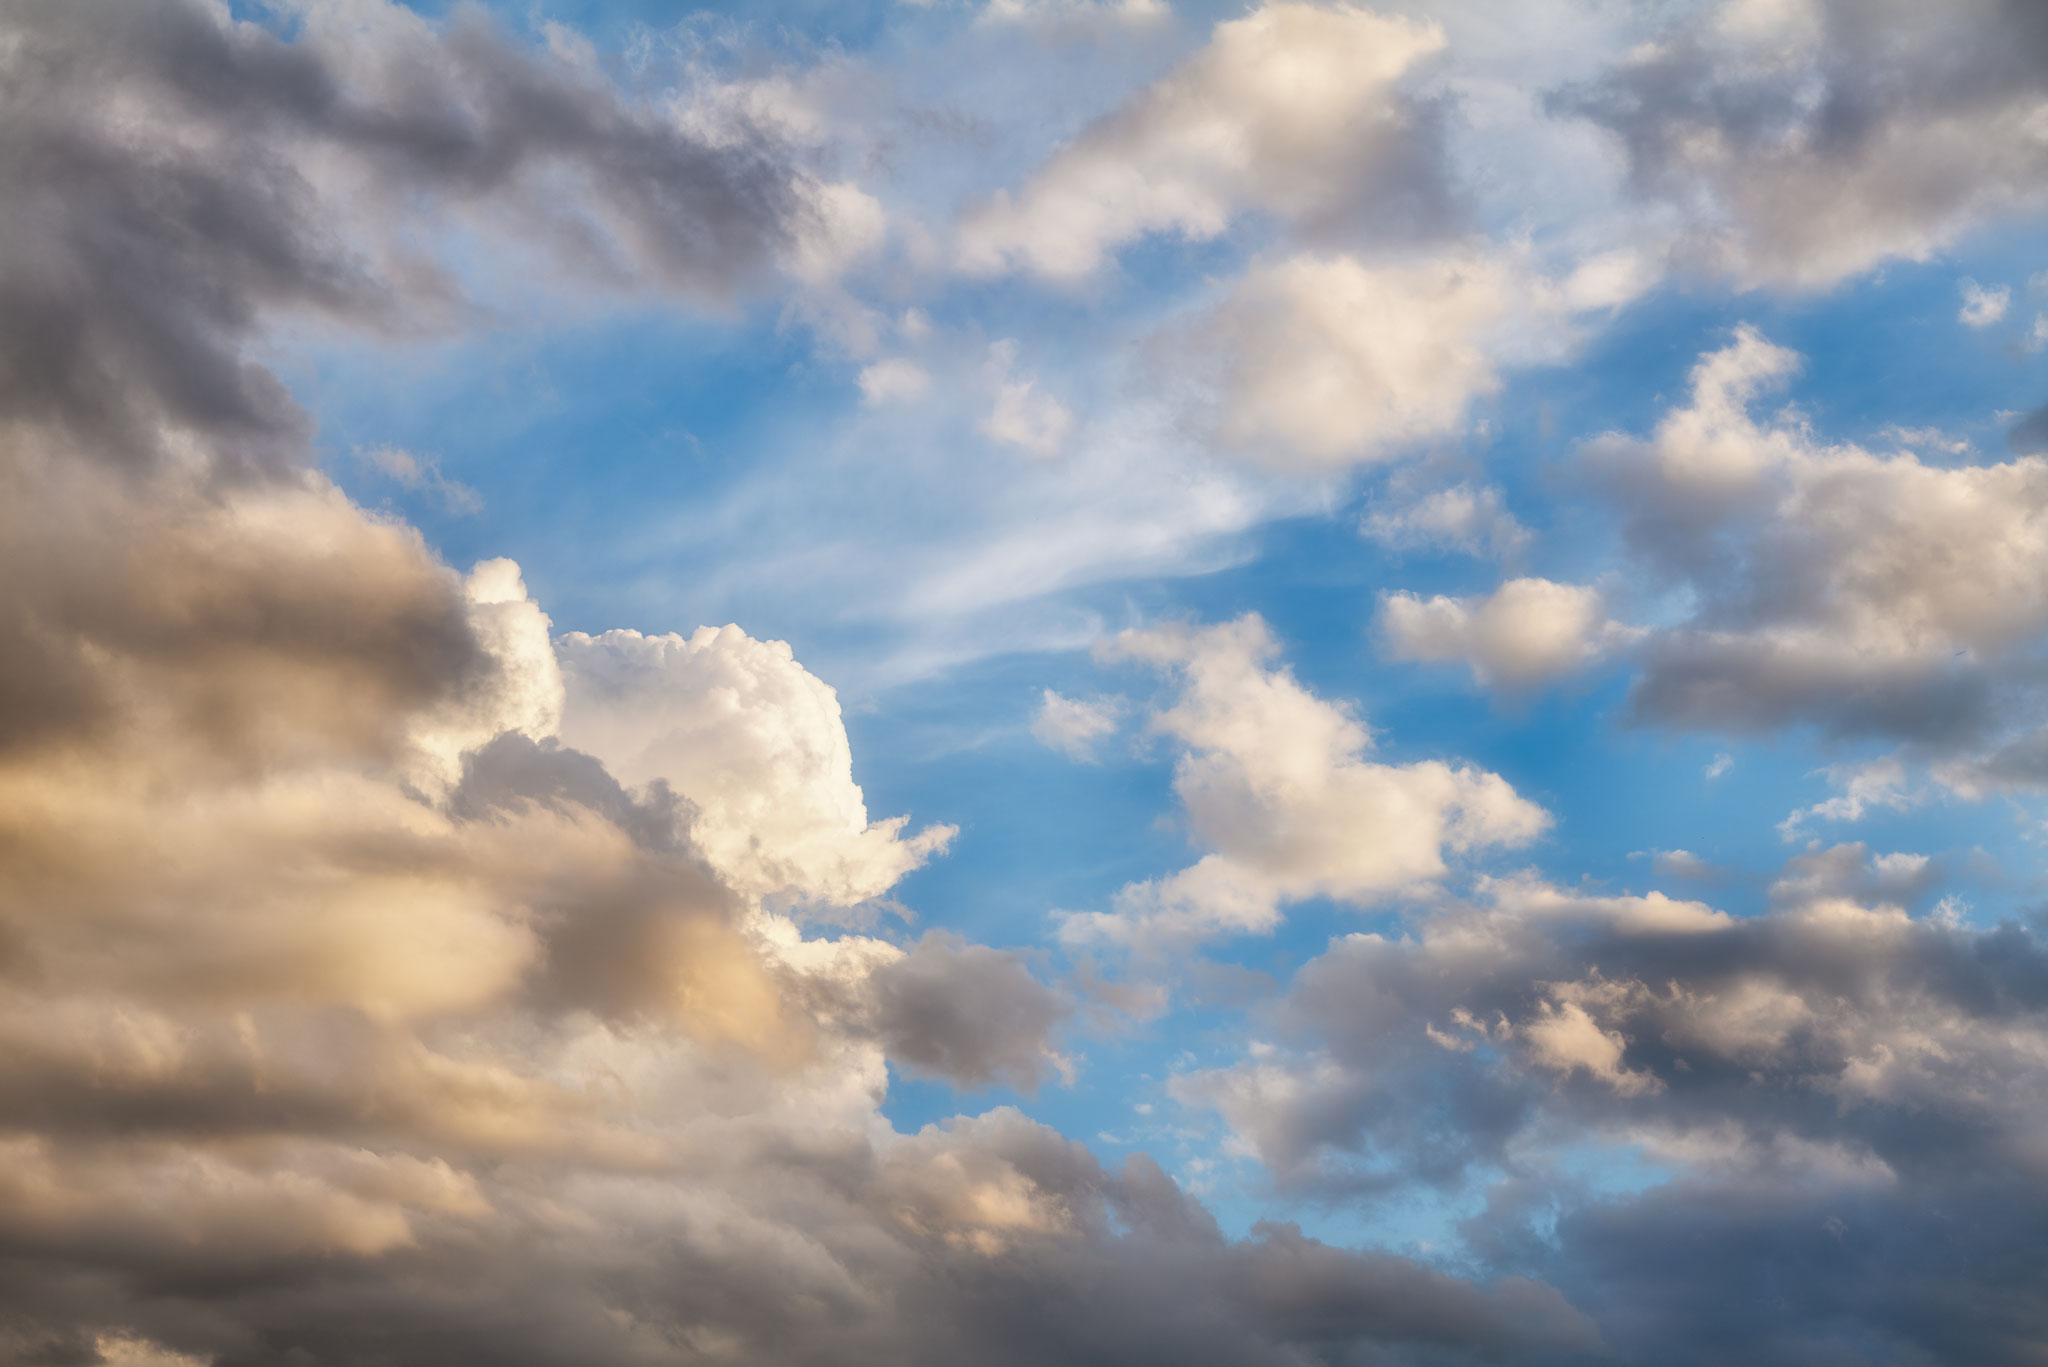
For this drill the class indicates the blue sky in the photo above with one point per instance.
(1453, 597)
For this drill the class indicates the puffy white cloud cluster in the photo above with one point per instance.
(1276, 785)
(755, 743)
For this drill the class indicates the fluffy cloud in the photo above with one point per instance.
(344, 1000)
(1292, 109)
(755, 743)
(1277, 787)
(207, 174)
(1865, 594)
(1524, 633)
(1981, 307)
(1326, 359)
(1803, 141)
(1805, 1083)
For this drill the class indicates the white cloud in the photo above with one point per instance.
(894, 380)
(1326, 359)
(1291, 109)
(1022, 416)
(1682, 864)
(1460, 517)
(1719, 765)
(1879, 783)
(755, 742)
(1323, 360)
(1074, 725)
(1276, 786)
(1982, 307)
(1524, 633)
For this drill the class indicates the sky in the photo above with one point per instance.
(1023, 682)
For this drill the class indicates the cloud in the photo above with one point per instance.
(968, 1013)
(1866, 595)
(1683, 864)
(755, 743)
(1525, 633)
(422, 474)
(1023, 416)
(1067, 19)
(1323, 360)
(1817, 1077)
(1459, 517)
(894, 380)
(1276, 786)
(1801, 142)
(1291, 109)
(1073, 725)
(1981, 307)
(369, 961)
(1320, 360)
(212, 175)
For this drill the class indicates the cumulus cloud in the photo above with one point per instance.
(1276, 785)
(1292, 109)
(1323, 359)
(1814, 1078)
(1865, 594)
(755, 742)
(1524, 633)
(1800, 142)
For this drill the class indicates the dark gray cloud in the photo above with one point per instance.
(965, 1012)
(170, 179)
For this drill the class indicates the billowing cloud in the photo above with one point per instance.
(1278, 789)
(1799, 142)
(1862, 593)
(755, 742)
(1813, 1078)
(1292, 109)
